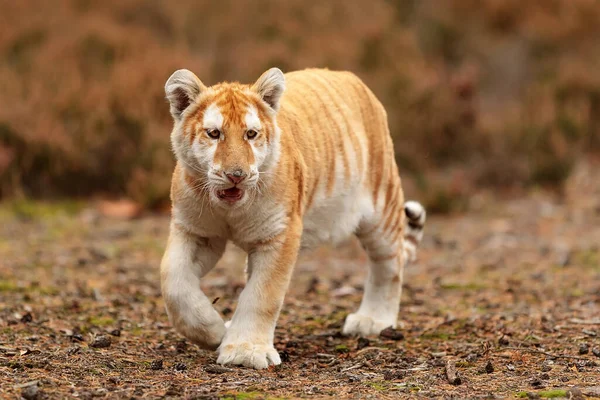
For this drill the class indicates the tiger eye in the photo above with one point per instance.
(251, 134)
(213, 133)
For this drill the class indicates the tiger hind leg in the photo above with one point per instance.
(388, 252)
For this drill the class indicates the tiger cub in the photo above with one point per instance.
(275, 167)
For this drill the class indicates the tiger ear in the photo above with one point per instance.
(270, 87)
(182, 89)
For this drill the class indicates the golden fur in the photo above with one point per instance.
(320, 168)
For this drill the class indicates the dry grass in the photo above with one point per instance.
(508, 294)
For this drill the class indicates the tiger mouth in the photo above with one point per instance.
(230, 195)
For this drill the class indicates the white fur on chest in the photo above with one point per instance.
(260, 222)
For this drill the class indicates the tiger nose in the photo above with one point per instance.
(236, 176)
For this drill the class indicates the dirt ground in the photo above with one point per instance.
(508, 294)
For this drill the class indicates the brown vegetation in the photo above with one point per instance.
(494, 92)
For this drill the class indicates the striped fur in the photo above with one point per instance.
(284, 164)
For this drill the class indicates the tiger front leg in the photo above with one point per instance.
(187, 259)
(250, 335)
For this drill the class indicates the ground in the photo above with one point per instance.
(508, 294)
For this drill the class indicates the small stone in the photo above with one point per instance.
(101, 342)
(537, 382)
(180, 367)
(391, 333)
(173, 390)
(503, 341)
(31, 392)
(489, 367)
(546, 368)
(26, 318)
(596, 351)
(584, 349)
(312, 285)
(114, 380)
(284, 355)
(181, 346)
(76, 337)
(343, 291)
(451, 373)
(362, 343)
(156, 365)
(575, 394)
(116, 332)
(216, 369)
(391, 375)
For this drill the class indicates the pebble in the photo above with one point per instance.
(344, 291)
(584, 349)
(596, 351)
(391, 375)
(216, 369)
(489, 367)
(575, 394)
(180, 367)
(156, 365)
(451, 373)
(116, 332)
(362, 343)
(546, 368)
(27, 318)
(76, 337)
(31, 392)
(101, 342)
(181, 346)
(391, 333)
(284, 355)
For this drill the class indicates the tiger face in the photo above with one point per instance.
(226, 136)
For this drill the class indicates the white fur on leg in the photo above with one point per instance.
(248, 354)
(190, 311)
(249, 337)
(364, 325)
(243, 345)
(381, 300)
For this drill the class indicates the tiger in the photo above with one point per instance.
(276, 167)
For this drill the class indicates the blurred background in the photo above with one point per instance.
(494, 106)
(500, 95)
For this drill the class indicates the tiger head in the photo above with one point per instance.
(226, 135)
